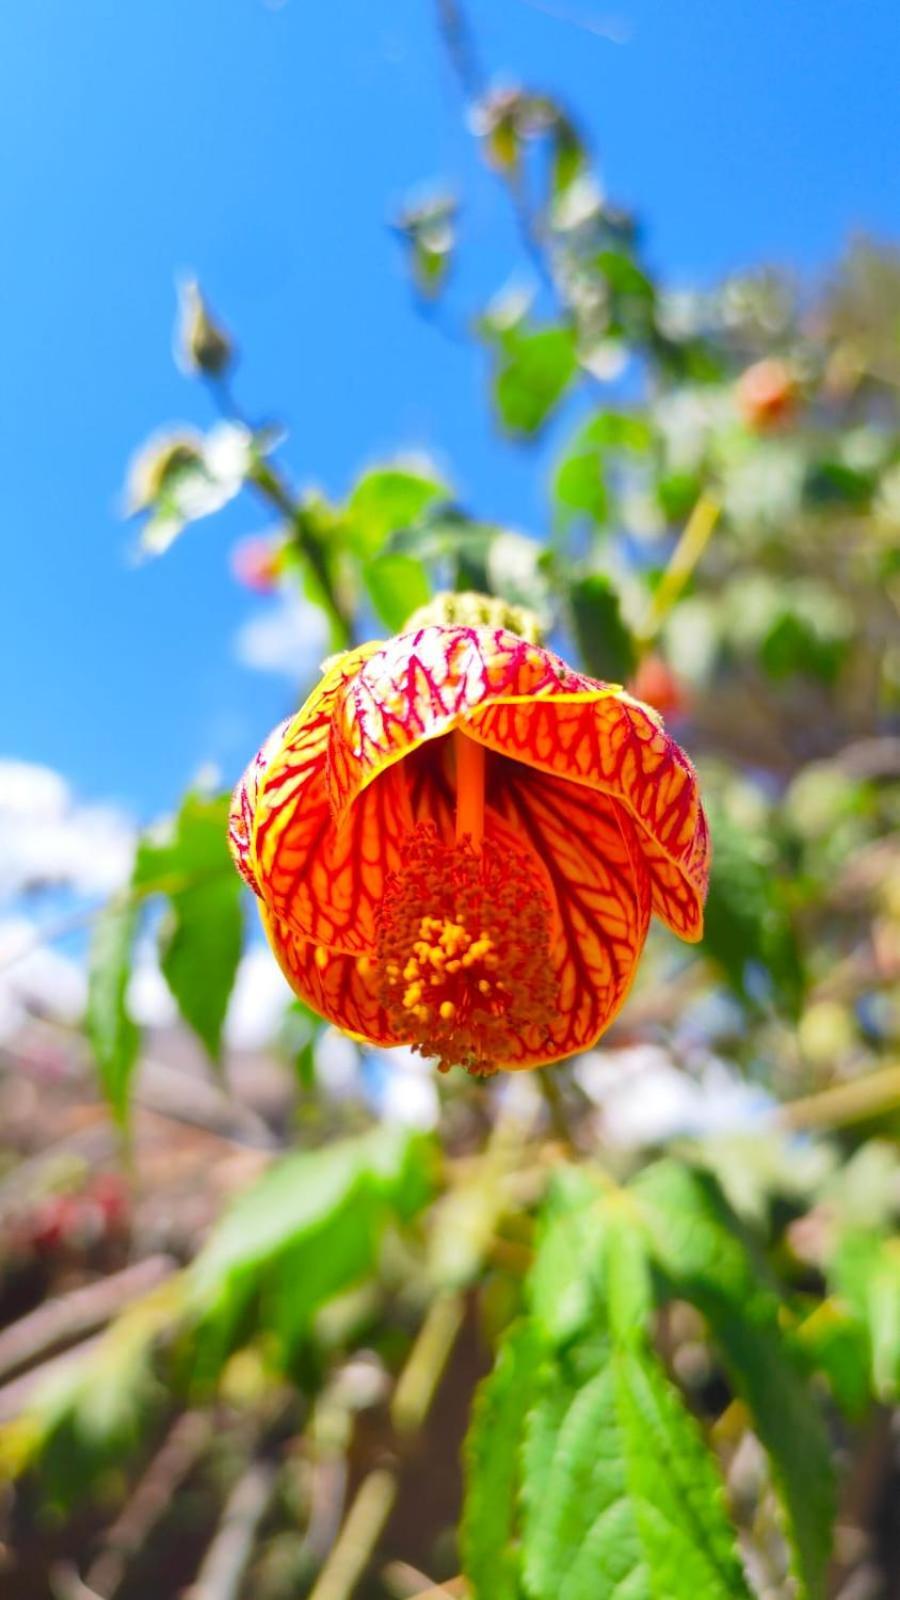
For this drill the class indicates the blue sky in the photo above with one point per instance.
(263, 147)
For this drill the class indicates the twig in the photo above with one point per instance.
(181, 1450)
(77, 1315)
(266, 480)
(358, 1537)
(426, 1362)
(459, 42)
(226, 1561)
(695, 537)
(406, 1583)
(16, 1397)
(844, 1103)
(553, 1100)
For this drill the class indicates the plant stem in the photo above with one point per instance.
(695, 537)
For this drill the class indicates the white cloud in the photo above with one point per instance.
(290, 637)
(258, 1001)
(36, 979)
(402, 1086)
(646, 1099)
(47, 838)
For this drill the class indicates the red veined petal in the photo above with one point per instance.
(243, 808)
(600, 895)
(324, 876)
(420, 685)
(605, 741)
(337, 986)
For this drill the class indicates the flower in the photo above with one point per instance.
(458, 841)
(766, 394)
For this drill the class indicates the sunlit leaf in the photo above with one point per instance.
(201, 936)
(606, 646)
(701, 1247)
(397, 585)
(113, 1034)
(536, 367)
(387, 500)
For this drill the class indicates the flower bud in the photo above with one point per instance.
(202, 345)
(476, 611)
(766, 394)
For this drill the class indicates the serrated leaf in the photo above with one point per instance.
(113, 1035)
(537, 366)
(701, 1247)
(397, 585)
(308, 1230)
(604, 641)
(492, 1461)
(622, 1497)
(200, 940)
(590, 1266)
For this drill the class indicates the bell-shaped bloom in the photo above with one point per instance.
(458, 841)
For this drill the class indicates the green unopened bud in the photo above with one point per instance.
(202, 345)
(471, 610)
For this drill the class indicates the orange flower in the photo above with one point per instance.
(458, 841)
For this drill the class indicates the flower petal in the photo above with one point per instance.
(420, 685)
(603, 740)
(588, 848)
(323, 877)
(337, 986)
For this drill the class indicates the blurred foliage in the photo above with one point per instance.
(693, 1351)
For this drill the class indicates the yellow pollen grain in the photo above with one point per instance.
(321, 957)
(365, 966)
(412, 996)
(447, 1010)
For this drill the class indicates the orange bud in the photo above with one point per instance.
(656, 685)
(766, 394)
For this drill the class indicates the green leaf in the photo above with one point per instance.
(590, 1263)
(746, 921)
(536, 368)
(604, 641)
(306, 1232)
(200, 940)
(113, 1035)
(623, 1500)
(835, 1343)
(492, 1450)
(397, 585)
(387, 500)
(866, 1273)
(701, 1247)
(580, 483)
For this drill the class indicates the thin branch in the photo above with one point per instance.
(221, 1577)
(77, 1315)
(362, 1529)
(459, 42)
(698, 531)
(426, 1362)
(272, 487)
(181, 1450)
